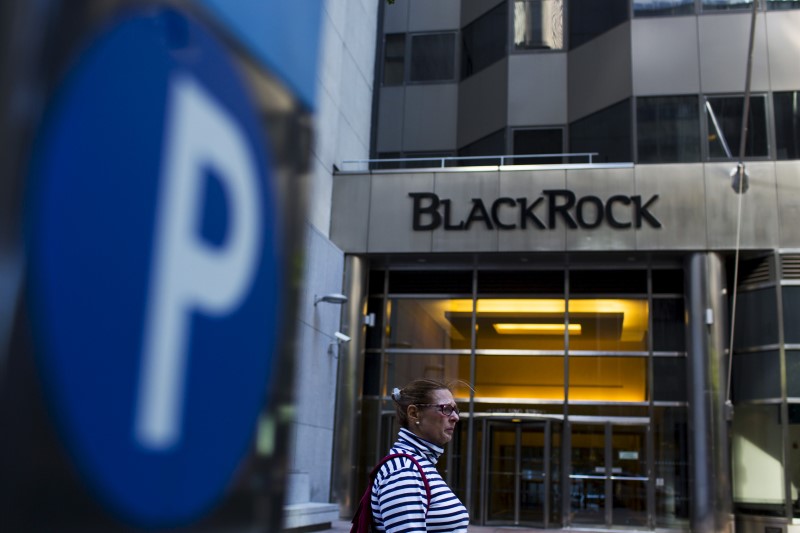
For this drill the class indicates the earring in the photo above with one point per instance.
(417, 422)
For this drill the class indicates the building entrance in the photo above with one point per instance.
(608, 478)
(519, 474)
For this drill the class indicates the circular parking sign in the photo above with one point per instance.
(155, 270)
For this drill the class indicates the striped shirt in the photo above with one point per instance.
(399, 500)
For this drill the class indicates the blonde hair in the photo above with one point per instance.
(415, 393)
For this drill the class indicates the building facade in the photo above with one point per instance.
(582, 291)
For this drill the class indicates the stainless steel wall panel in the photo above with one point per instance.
(395, 16)
(680, 206)
(783, 42)
(425, 15)
(391, 214)
(461, 188)
(665, 56)
(759, 228)
(350, 212)
(602, 183)
(599, 72)
(537, 89)
(723, 53)
(391, 107)
(530, 184)
(787, 174)
(482, 103)
(430, 117)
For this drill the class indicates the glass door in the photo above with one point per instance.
(609, 478)
(517, 473)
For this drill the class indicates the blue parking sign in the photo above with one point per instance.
(154, 266)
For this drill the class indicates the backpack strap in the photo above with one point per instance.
(413, 460)
(362, 520)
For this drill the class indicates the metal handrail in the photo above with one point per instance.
(442, 160)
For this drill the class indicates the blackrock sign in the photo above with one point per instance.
(552, 208)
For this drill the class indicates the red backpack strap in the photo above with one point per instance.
(413, 460)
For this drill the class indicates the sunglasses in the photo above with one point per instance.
(445, 408)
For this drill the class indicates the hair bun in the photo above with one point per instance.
(396, 394)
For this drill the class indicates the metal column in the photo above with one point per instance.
(349, 388)
(707, 316)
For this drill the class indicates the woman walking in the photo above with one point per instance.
(428, 415)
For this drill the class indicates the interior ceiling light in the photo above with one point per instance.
(536, 329)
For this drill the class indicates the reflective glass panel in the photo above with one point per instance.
(756, 452)
(726, 5)
(483, 42)
(427, 324)
(538, 24)
(669, 384)
(669, 332)
(629, 470)
(756, 318)
(783, 4)
(791, 314)
(787, 122)
(590, 18)
(520, 324)
(668, 129)
(756, 376)
(724, 115)
(608, 379)
(404, 368)
(433, 57)
(662, 8)
(539, 141)
(588, 477)
(671, 438)
(608, 324)
(606, 132)
(394, 59)
(528, 377)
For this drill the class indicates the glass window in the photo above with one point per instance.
(791, 314)
(793, 376)
(756, 376)
(433, 57)
(394, 52)
(608, 379)
(404, 368)
(521, 324)
(668, 129)
(509, 376)
(429, 324)
(608, 281)
(430, 282)
(607, 132)
(783, 4)
(726, 5)
(521, 281)
(539, 24)
(669, 384)
(662, 8)
(539, 141)
(669, 333)
(608, 324)
(756, 452)
(668, 281)
(724, 114)
(492, 144)
(756, 319)
(671, 467)
(590, 18)
(787, 123)
(484, 41)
